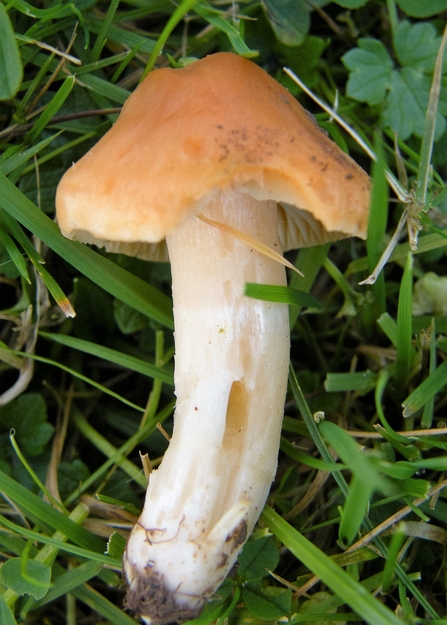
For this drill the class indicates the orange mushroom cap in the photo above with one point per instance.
(219, 123)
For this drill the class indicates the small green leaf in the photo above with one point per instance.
(402, 91)
(258, 557)
(306, 64)
(419, 8)
(70, 475)
(265, 607)
(116, 545)
(128, 319)
(28, 416)
(11, 70)
(290, 19)
(34, 581)
(416, 45)
(318, 606)
(351, 4)
(370, 66)
(6, 615)
(407, 103)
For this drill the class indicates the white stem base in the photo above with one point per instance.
(231, 369)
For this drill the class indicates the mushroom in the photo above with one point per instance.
(222, 140)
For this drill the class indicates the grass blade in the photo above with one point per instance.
(13, 161)
(59, 544)
(14, 254)
(404, 356)
(351, 454)
(218, 21)
(430, 126)
(425, 391)
(281, 294)
(176, 17)
(377, 223)
(303, 458)
(112, 278)
(112, 355)
(11, 70)
(103, 606)
(52, 108)
(360, 382)
(46, 516)
(70, 580)
(102, 35)
(370, 609)
(354, 510)
(75, 374)
(101, 443)
(310, 259)
(427, 414)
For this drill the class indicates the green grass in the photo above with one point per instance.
(356, 523)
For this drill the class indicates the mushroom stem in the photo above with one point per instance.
(231, 368)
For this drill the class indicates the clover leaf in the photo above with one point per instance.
(402, 91)
(258, 558)
(417, 45)
(370, 66)
(407, 102)
(27, 415)
(26, 578)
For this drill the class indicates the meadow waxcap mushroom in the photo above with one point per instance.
(223, 141)
(219, 123)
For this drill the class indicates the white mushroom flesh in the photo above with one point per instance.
(231, 369)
